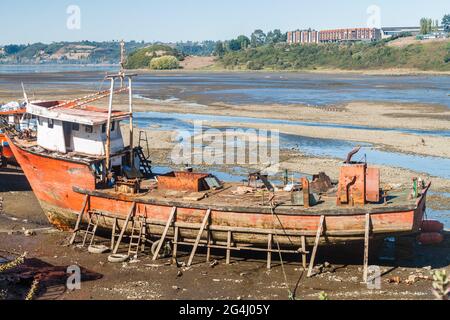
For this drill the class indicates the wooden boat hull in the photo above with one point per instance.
(61, 187)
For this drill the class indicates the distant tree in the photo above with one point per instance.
(244, 41)
(164, 63)
(220, 49)
(234, 45)
(13, 49)
(258, 38)
(426, 26)
(446, 22)
(275, 36)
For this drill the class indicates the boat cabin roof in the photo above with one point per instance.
(72, 112)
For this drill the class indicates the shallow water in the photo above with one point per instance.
(295, 88)
(50, 68)
(435, 166)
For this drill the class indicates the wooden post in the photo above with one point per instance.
(124, 228)
(175, 243)
(86, 204)
(316, 245)
(366, 247)
(113, 234)
(269, 251)
(229, 239)
(130, 93)
(164, 235)
(304, 262)
(208, 247)
(199, 237)
(108, 129)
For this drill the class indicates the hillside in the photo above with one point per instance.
(141, 58)
(433, 56)
(65, 52)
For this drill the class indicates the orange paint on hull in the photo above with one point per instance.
(53, 180)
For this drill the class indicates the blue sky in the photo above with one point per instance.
(25, 21)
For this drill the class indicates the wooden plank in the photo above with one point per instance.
(175, 243)
(366, 247)
(304, 262)
(79, 219)
(269, 251)
(229, 239)
(199, 237)
(124, 228)
(113, 234)
(164, 235)
(208, 249)
(316, 245)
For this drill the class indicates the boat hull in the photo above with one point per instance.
(62, 186)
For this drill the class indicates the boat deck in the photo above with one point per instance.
(228, 200)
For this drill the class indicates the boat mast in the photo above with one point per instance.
(121, 75)
(108, 127)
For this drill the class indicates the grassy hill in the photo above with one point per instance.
(141, 58)
(66, 52)
(433, 56)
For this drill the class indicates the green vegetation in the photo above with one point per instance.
(164, 63)
(89, 52)
(353, 56)
(257, 39)
(142, 58)
(446, 22)
(204, 48)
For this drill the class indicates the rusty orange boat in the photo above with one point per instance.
(9, 118)
(79, 166)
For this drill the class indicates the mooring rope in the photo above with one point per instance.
(272, 208)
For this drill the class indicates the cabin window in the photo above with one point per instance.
(113, 126)
(89, 129)
(75, 126)
(50, 123)
(104, 128)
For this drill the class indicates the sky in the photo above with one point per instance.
(29, 21)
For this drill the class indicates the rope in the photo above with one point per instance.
(272, 208)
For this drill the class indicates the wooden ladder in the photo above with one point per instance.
(91, 230)
(138, 237)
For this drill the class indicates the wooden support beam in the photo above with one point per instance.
(199, 237)
(269, 251)
(124, 228)
(208, 249)
(113, 234)
(366, 247)
(175, 243)
(304, 262)
(229, 239)
(316, 245)
(164, 235)
(86, 205)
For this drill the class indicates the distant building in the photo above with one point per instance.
(335, 35)
(388, 32)
(303, 37)
(351, 34)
